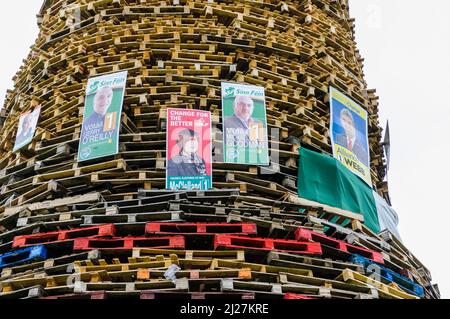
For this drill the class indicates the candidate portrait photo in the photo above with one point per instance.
(187, 160)
(26, 128)
(349, 131)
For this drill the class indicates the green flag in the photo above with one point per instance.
(323, 179)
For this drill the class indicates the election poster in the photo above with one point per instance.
(27, 127)
(102, 115)
(188, 150)
(349, 134)
(245, 139)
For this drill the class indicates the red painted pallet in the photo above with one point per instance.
(63, 235)
(303, 234)
(267, 244)
(407, 273)
(200, 228)
(169, 242)
(290, 295)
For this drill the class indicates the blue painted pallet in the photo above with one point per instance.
(404, 283)
(22, 256)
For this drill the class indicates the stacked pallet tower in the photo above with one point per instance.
(108, 228)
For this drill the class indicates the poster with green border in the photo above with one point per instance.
(102, 116)
(245, 139)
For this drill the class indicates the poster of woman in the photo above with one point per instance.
(188, 150)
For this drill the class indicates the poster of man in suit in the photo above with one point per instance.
(102, 116)
(189, 150)
(27, 127)
(244, 124)
(349, 134)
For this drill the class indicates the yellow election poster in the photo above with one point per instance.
(349, 134)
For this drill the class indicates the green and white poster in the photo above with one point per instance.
(244, 124)
(27, 127)
(102, 115)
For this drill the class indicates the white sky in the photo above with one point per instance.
(406, 50)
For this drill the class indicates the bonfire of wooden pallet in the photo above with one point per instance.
(108, 227)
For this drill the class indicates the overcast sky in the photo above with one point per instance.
(406, 50)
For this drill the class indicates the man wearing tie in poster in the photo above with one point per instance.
(349, 140)
(26, 131)
(187, 162)
(241, 129)
(100, 124)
